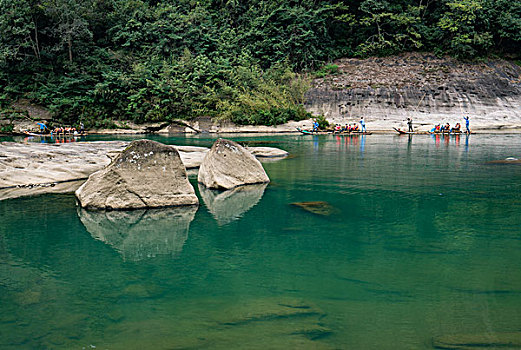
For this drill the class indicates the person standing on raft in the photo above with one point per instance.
(315, 126)
(362, 124)
(42, 127)
(467, 123)
(409, 123)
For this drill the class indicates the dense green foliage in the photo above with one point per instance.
(152, 60)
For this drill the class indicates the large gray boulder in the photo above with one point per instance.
(228, 165)
(147, 174)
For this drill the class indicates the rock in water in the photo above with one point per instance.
(318, 208)
(229, 165)
(509, 160)
(478, 341)
(147, 174)
(267, 152)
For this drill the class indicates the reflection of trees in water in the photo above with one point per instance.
(230, 205)
(141, 234)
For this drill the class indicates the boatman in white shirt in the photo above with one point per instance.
(362, 124)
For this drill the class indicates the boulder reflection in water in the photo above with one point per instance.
(141, 234)
(227, 206)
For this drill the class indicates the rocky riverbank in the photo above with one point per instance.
(33, 168)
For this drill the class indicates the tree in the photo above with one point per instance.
(462, 29)
(19, 28)
(279, 30)
(69, 22)
(388, 28)
(504, 23)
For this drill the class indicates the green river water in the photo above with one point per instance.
(421, 249)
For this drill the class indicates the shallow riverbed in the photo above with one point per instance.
(417, 245)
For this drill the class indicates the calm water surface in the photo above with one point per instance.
(422, 242)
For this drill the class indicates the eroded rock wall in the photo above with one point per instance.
(423, 87)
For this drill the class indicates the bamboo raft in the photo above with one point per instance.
(343, 133)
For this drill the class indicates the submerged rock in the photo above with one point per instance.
(28, 297)
(242, 322)
(231, 204)
(318, 207)
(269, 309)
(509, 160)
(147, 174)
(229, 165)
(141, 234)
(315, 333)
(478, 341)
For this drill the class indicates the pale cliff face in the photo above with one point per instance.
(386, 91)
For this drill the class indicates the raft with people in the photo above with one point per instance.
(450, 132)
(45, 131)
(333, 132)
(28, 133)
(58, 132)
(438, 129)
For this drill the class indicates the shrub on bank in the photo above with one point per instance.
(274, 116)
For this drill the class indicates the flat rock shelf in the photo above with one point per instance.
(34, 168)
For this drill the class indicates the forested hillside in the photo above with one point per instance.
(153, 60)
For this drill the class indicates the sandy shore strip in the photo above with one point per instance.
(379, 125)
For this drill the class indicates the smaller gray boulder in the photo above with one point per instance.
(147, 174)
(228, 165)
